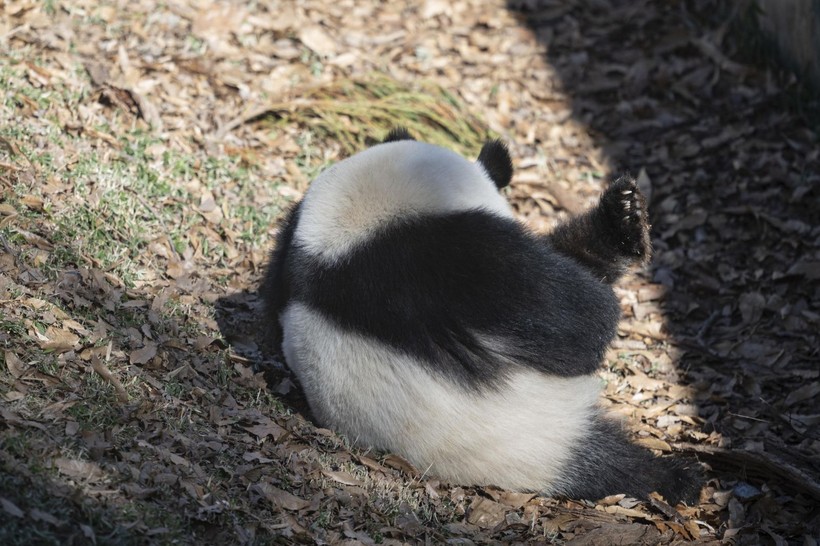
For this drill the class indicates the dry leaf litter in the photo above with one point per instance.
(147, 149)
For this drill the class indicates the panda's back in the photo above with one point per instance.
(467, 294)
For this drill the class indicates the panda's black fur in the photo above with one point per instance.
(437, 331)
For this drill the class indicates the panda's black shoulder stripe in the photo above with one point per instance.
(465, 293)
(396, 134)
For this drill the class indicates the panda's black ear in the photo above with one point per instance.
(399, 133)
(495, 158)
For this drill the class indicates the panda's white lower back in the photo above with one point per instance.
(519, 435)
(421, 318)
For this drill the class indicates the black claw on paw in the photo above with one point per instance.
(625, 210)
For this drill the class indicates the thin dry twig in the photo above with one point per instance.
(764, 464)
(102, 370)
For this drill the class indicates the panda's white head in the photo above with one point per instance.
(400, 178)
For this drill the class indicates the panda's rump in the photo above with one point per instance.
(517, 434)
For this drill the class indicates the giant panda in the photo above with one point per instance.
(422, 318)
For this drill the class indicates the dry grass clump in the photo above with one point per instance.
(352, 111)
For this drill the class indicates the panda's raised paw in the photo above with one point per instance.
(625, 209)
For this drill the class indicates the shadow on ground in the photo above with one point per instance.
(730, 153)
(242, 323)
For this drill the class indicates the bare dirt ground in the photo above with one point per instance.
(147, 149)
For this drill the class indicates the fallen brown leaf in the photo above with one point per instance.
(343, 478)
(486, 513)
(398, 462)
(59, 340)
(143, 354)
(15, 366)
(280, 498)
(10, 508)
(266, 429)
(78, 469)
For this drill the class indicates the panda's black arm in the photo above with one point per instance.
(611, 237)
(276, 287)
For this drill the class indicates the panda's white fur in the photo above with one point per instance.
(422, 319)
(496, 438)
(351, 199)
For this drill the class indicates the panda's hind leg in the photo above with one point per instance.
(625, 207)
(605, 462)
(611, 237)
